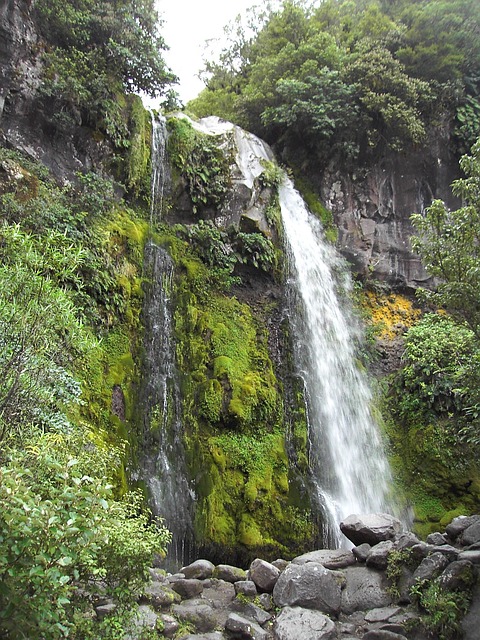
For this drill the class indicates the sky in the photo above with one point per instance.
(187, 25)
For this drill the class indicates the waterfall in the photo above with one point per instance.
(160, 170)
(162, 464)
(346, 455)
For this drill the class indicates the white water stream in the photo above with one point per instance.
(346, 453)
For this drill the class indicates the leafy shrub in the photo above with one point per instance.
(65, 538)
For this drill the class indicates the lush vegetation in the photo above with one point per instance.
(71, 263)
(434, 397)
(352, 78)
(98, 51)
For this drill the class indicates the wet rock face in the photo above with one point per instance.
(372, 209)
(25, 119)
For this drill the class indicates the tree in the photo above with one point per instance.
(449, 245)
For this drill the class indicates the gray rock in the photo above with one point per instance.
(459, 524)
(246, 588)
(361, 552)
(105, 610)
(380, 634)
(157, 575)
(144, 618)
(436, 539)
(406, 540)
(310, 586)
(329, 558)
(430, 567)
(378, 555)
(200, 569)
(470, 622)
(198, 613)
(472, 556)
(264, 575)
(381, 614)
(160, 596)
(176, 576)
(170, 625)
(188, 588)
(371, 528)
(229, 573)
(250, 611)
(281, 564)
(365, 589)
(394, 628)
(245, 628)
(471, 535)
(420, 551)
(295, 623)
(450, 552)
(266, 601)
(216, 635)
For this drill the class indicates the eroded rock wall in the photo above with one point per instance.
(372, 208)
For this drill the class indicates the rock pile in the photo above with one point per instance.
(382, 589)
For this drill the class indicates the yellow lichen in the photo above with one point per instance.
(390, 313)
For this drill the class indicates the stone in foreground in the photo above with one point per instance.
(295, 623)
(309, 585)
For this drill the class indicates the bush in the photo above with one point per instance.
(64, 538)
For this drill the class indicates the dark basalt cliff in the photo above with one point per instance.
(372, 208)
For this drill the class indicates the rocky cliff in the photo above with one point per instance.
(30, 122)
(372, 208)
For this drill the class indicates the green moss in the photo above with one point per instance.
(317, 207)
(138, 167)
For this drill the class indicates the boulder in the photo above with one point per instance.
(229, 573)
(295, 623)
(196, 612)
(381, 614)
(281, 564)
(264, 575)
(471, 535)
(310, 586)
(430, 567)
(329, 558)
(246, 588)
(458, 576)
(160, 596)
(382, 634)
(104, 610)
(188, 588)
(372, 528)
(436, 539)
(361, 552)
(170, 625)
(250, 611)
(365, 589)
(200, 569)
(472, 556)
(378, 555)
(459, 524)
(246, 629)
(144, 619)
(406, 540)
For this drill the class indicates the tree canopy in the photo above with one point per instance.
(349, 76)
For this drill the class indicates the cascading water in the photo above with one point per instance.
(163, 468)
(346, 454)
(349, 468)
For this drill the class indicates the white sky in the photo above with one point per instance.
(187, 25)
